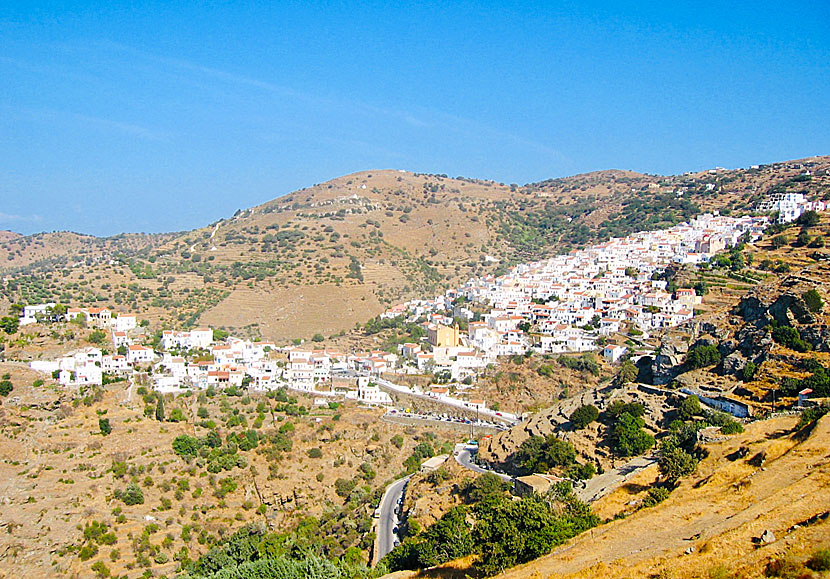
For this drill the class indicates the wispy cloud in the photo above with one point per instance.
(126, 128)
(6, 217)
(53, 115)
(420, 119)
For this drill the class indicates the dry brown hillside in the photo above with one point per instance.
(326, 257)
(711, 525)
(60, 474)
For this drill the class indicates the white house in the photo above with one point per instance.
(137, 354)
(613, 353)
(124, 323)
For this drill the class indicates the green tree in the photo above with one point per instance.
(484, 486)
(583, 416)
(317, 338)
(702, 356)
(6, 387)
(160, 408)
(749, 371)
(9, 324)
(97, 337)
(131, 495)
(809, 219)
(104, 426)
(186, 446)
(538, 454)
(627, 373)
(779, 241)
(628, 437)
(688, 408)
(674, 462)
(813, 300)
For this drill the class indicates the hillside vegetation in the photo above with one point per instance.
(333, 255)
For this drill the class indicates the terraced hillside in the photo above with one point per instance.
(329, 256)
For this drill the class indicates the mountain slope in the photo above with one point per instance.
(326, 257)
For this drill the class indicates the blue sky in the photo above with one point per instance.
(167, 116)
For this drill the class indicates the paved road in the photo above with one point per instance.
(493, 415)
(464, 456)
(388, 520)
(453, 402)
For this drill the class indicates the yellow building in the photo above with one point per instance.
(441, 336)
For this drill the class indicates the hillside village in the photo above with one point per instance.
(567, 304)
(426, 363)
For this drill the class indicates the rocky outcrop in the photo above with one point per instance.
(733, 363)
(818, 337)
(790, 310)
(667, 362)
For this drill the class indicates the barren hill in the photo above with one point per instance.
(326, 257)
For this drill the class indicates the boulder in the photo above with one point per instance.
(751, 309)
(667, 362)
(818, 337)
(790, 309)
(766, 537)
(733, 363)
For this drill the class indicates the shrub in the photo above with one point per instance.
(6, 387)
(748, 373)
(656, 495)
(820, 560)
(315, 452)
(583, 416)
(674, 462)
(702, 356)
(104, 426)
(538, 454)
(131, 495)
(813, 300)
(809, 219)
(186, 446)
(628, 437)
(790, 338)
(733, 427)
(581, 471)
(689, 408)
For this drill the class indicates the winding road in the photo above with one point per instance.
(464, 456)
(388, 519)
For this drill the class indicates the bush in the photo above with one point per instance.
(656, 495)
(97, 337)
(733, 427)
(6, 387)
(809, 219)
(790, 338)
(813, 300)
(748, 373)
(820, 560)
(688, 408)
(186, 446)
(618, 408)
(315, 452)
(104, 426)
(702, 356)
(131, 495)
(583, 416)
(674, 462)
(581, 471)
(538, 454)
(628, 437)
